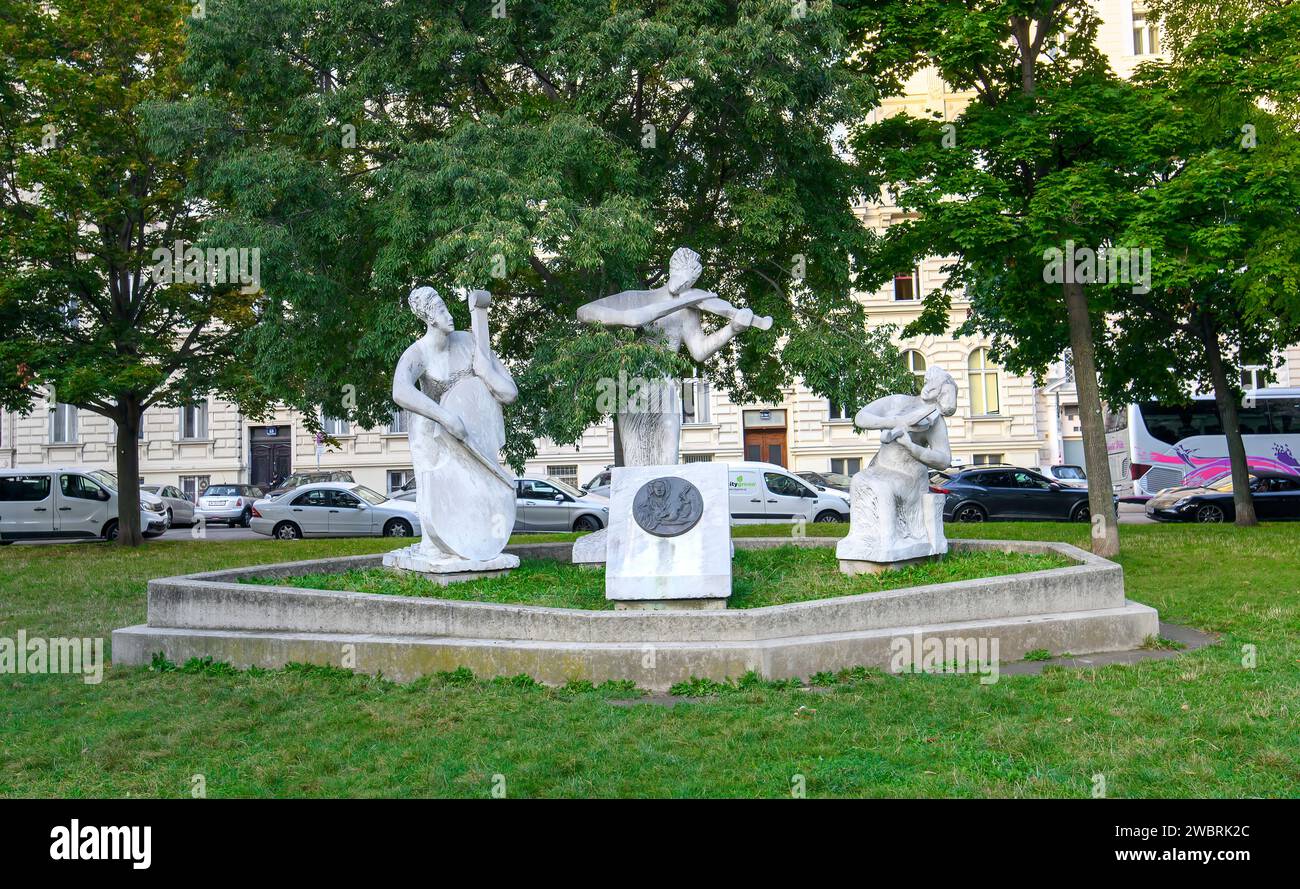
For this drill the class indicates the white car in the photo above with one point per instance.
(68, 502)
(228, 504)
(765, 492)
(334, 509)
(180, 511)
(545, 504)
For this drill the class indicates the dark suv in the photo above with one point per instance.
(1006, 492)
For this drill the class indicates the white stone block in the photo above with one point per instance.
(654, 552)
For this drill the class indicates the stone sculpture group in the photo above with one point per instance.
(668, 543)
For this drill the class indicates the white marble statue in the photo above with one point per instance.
(893, 517)
(649, 429)
(454, 387)
(672, 314)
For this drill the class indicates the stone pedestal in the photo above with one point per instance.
(444, 569)
(589, 549)
(669, 540)
(866, 550)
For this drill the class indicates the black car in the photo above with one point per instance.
(835, 481)
(1276, 496)
(974, 495)
(298, 479)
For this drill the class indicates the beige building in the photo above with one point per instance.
(1001, 417)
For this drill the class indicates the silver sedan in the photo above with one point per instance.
(334, 509)
(180, 511)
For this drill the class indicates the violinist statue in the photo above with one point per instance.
(672, 314)
(893, 517)
(454, 387)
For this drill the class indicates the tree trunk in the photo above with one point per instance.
(618, 444)
(128, 473)
(1101, 498)
(1225, 399)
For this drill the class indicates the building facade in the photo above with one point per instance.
(1001, 417)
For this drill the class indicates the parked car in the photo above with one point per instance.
(599, 486)
(552, 505)
(334, 509)
(180, 511)
(228, 504)
(835, 481)
(45, 503)
(298, 479)
(406, 491)
(765, 492)
(1068, 474)
(1276, 496)
(977, 494)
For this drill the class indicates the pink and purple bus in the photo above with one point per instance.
(1184, 444)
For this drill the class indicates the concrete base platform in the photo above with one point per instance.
(1078, 609)
(863, 566)
(669, 604)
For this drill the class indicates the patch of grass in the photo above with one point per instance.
(1199, 724)
(1160, 643)
(763, 577)
(1038, 654)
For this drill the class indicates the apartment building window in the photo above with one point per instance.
(907, 287)
(334, 426)
(193, 486)
(194, 421)
(914, 361)
(1146, 34)
(1254, 376)
(983, 384)
(988, 459)
(397, 479)
(838, 411)
(697, 458)
(400, 424)
(846, 465)
(695, 401)
(63, 424)
(568, 473)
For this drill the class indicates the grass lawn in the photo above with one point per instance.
(1200, 724)
(760, 577)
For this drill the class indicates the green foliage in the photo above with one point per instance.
(556, 155)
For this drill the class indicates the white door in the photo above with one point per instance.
(83, 506)
(310, 511)
(786, 499)
(349, 517)
(745, 495)
(26, 506)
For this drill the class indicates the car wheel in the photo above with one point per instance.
(828, 516)
(244, 520)
(110, 531)
(1209, 513)
(398, 528)
(1081, 513)
(6, 543)
(169, 517)
(587, 523)
(287, 531)
(971, 512)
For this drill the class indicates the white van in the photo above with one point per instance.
(51, 503)
(765, 492)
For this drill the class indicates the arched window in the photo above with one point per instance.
(983, 384)
(914, 361)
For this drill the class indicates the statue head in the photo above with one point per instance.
(429, 308)
(683, 269)
(941, 389)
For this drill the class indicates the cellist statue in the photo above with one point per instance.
(454, 387)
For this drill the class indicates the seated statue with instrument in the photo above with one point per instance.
(893, 517)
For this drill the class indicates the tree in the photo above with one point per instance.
(554, 152)
(1219, 213)
(92, 312)
(1030, 168)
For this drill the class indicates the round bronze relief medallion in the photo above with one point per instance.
(667, 506)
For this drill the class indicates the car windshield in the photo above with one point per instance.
(1222, 484)
(1068, 472)
(107, 479)
(374, 498)
(221, 491)
(566, 487)
(837, 478)
(152, 489)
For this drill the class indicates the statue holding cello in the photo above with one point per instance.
(454, 387)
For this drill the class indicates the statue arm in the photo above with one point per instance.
(938, 455)
(604, 313)
(489, 369)
(703, 345)
(406, 394)
(882, 413)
